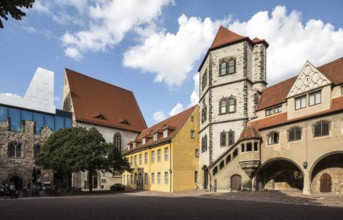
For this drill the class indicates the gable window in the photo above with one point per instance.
(155, 136)
(232, 66)
(204, 114)
(315, 98)
(231, 138)
(222, 70)
(294, 133)
(321, 128)
(204, 80)
(14, 149)
(204, 144)
(300, 102)
(232, 104)
(165, 133)
(273, 137)
(222, 106)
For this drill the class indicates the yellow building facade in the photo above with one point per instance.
(164, 157)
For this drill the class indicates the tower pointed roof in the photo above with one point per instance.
(225, 36)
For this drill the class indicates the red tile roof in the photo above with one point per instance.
(279, 119)
(277, 93)
(173, 124)
(249, 133)
(225, 36)
(101, 103)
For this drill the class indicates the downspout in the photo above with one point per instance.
(170, 167)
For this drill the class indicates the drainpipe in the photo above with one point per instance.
(170, 168)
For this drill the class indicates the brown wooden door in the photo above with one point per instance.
(325, 183)
(236, 183)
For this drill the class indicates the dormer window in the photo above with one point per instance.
(125, 122)
(155, 136)
(144, 141)
(100, 116)
(134, 145)
(165, 133)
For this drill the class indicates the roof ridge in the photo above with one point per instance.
(333, 61)
(225, 36)
(100, 81)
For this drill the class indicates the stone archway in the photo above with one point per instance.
(327, 173)
(18, 182)
(280, 174)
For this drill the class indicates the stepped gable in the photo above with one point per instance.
(277, 93)
(173, 124)
(101, 103)
(249, 133)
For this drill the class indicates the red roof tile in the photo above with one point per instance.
(249, 133)
(279, 119)
(225, 36)
(173, 124)
(101, 103)
(277, 93)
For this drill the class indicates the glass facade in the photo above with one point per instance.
(61, 120)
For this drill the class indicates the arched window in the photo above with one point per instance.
(204, 144)
(117, 141)
(273, 137)
(222, 106)
(232, 104)
(321, 128)
(14, 149)
(222, 70)
(36, 149)
(232, 66)
(204, 114)
(204, 79)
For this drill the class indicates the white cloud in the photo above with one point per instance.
(110, 21)
(172, 57)
(177, 109)
(41, 6)
(10, 95)
(291, 42)
(159, 116)
(195, 94)
(73, 53)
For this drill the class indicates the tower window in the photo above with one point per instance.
(232, 104)
(232, 66)
(223, 67)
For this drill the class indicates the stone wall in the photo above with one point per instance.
(21, 167)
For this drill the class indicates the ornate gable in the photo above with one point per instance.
(309, 78)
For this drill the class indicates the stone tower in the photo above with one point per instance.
(232, 76)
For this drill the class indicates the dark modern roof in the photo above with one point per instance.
(101, 103)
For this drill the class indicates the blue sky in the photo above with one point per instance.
(154, 47)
